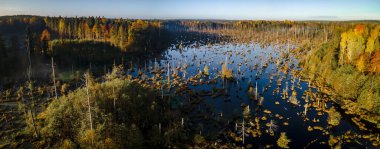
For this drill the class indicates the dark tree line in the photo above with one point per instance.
(128, 35)
(64, 37)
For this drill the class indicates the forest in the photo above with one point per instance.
(96, 82)
(347, 64)
(45, 37)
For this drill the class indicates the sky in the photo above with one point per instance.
(199, 9)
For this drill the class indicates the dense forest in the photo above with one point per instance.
(121, 33)
(347, 64)
(92, 40)
(132, 105)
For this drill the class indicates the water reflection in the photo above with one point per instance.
(265, 97)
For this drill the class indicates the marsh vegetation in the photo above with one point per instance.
(114, 83)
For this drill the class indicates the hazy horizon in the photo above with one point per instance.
(333, 10)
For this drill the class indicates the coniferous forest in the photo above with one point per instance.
(104, 82)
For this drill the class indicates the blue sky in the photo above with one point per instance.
(200, 9)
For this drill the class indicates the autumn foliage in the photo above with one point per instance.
(350, 67)
(357, 48)
(126, 34)
(375, 63)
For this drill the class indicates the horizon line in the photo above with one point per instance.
(318, 18)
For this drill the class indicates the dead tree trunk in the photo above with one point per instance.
(89, 105)
(53, 71)
(33, 123)
(88, 100)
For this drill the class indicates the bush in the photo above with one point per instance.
(334, 117)
(283, 141)
(198, 139)
(124, 114)
(206, 70)
(226, 73)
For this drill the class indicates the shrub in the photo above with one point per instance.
(226, 73)
(334, 117)
(283, 141)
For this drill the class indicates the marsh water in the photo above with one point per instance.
(265, 78)
(224, 104)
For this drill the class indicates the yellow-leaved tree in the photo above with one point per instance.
(362, 62)
(373, 40)
(352, 44)
(61, 27)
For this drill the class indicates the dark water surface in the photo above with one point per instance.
(227, 109)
